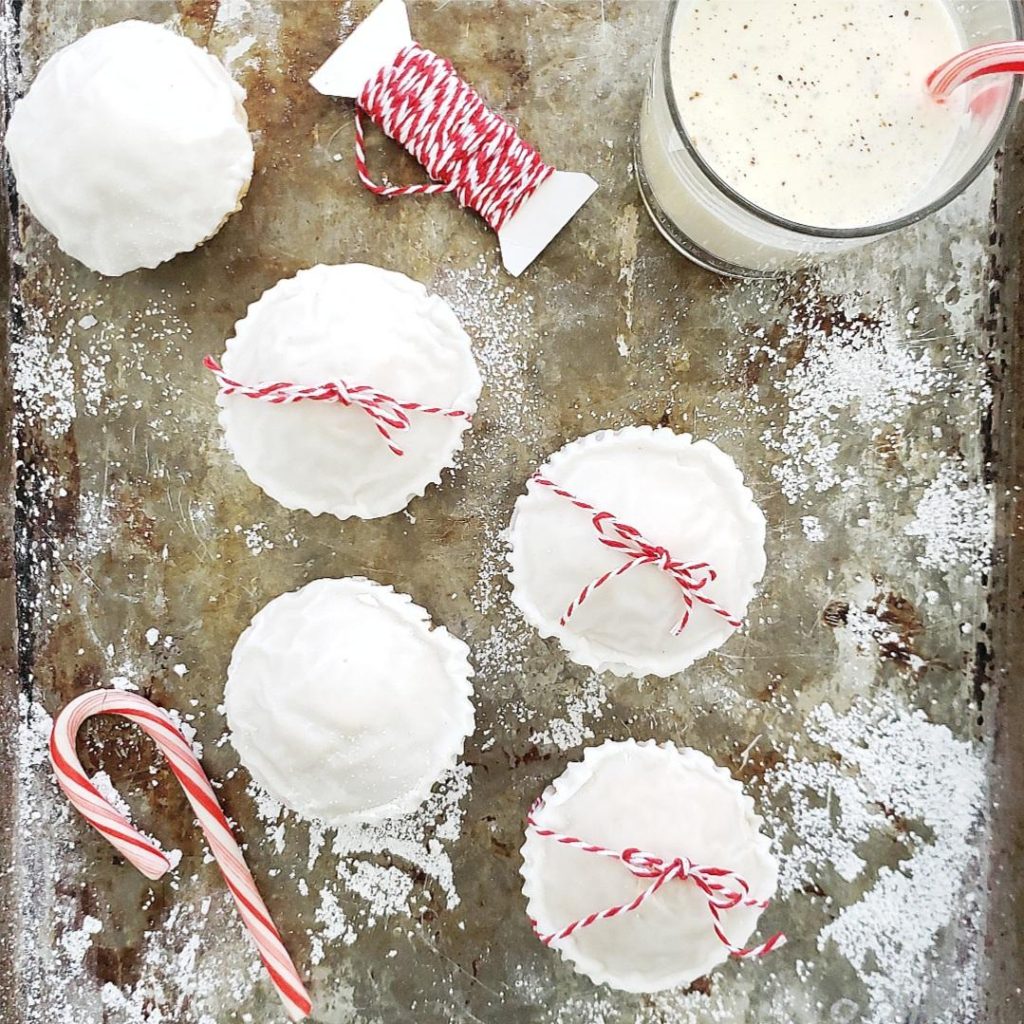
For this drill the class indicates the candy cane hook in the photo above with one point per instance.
(144, 852)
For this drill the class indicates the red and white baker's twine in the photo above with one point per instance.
(724, 889)
(144, 852)
(388, 414)
(692, 577)
(420, 101)
(988, 59)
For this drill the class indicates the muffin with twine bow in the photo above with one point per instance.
(645, 867)
(346, 389)
(638, 549)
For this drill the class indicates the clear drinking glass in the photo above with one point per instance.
(707, 220)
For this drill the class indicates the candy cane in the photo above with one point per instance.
(1005, 58)
(144, 852)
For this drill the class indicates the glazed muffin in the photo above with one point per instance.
(131, 146)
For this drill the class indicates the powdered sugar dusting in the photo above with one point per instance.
(77, 943)
(500, 321)
(892, 776)
(954, 521)
(375, 863)
(334, 926)
(582, 707)
(864, 369)
(43, 378)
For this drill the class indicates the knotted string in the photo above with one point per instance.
(420, 101)
(387, 413)
(691, 577)
(724, 888)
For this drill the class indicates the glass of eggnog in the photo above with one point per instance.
(775, 133)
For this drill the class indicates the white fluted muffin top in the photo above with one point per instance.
(345, 703)
(686, 497)
(666, 801)
(131, 146)
(369, 328)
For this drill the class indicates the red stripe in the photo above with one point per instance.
(257, 911)
(204, 799)
(1001, 68)
(987, 59)
(297, 995)
(150, 716)
(66, 768)
(127, 839)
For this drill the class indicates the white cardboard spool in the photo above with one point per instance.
(373, 44)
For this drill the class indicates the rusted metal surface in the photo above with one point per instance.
(858, 402)
(1005, 702)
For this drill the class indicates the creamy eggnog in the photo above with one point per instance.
(812, 111)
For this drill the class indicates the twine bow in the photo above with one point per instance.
(724, 888)
(388, 414)
(691, 577)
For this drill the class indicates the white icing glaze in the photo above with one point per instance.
(686, 496)
(665, 801)
(131, 146)
(363, 325)
(345, 703)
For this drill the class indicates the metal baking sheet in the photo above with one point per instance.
(871, 704)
